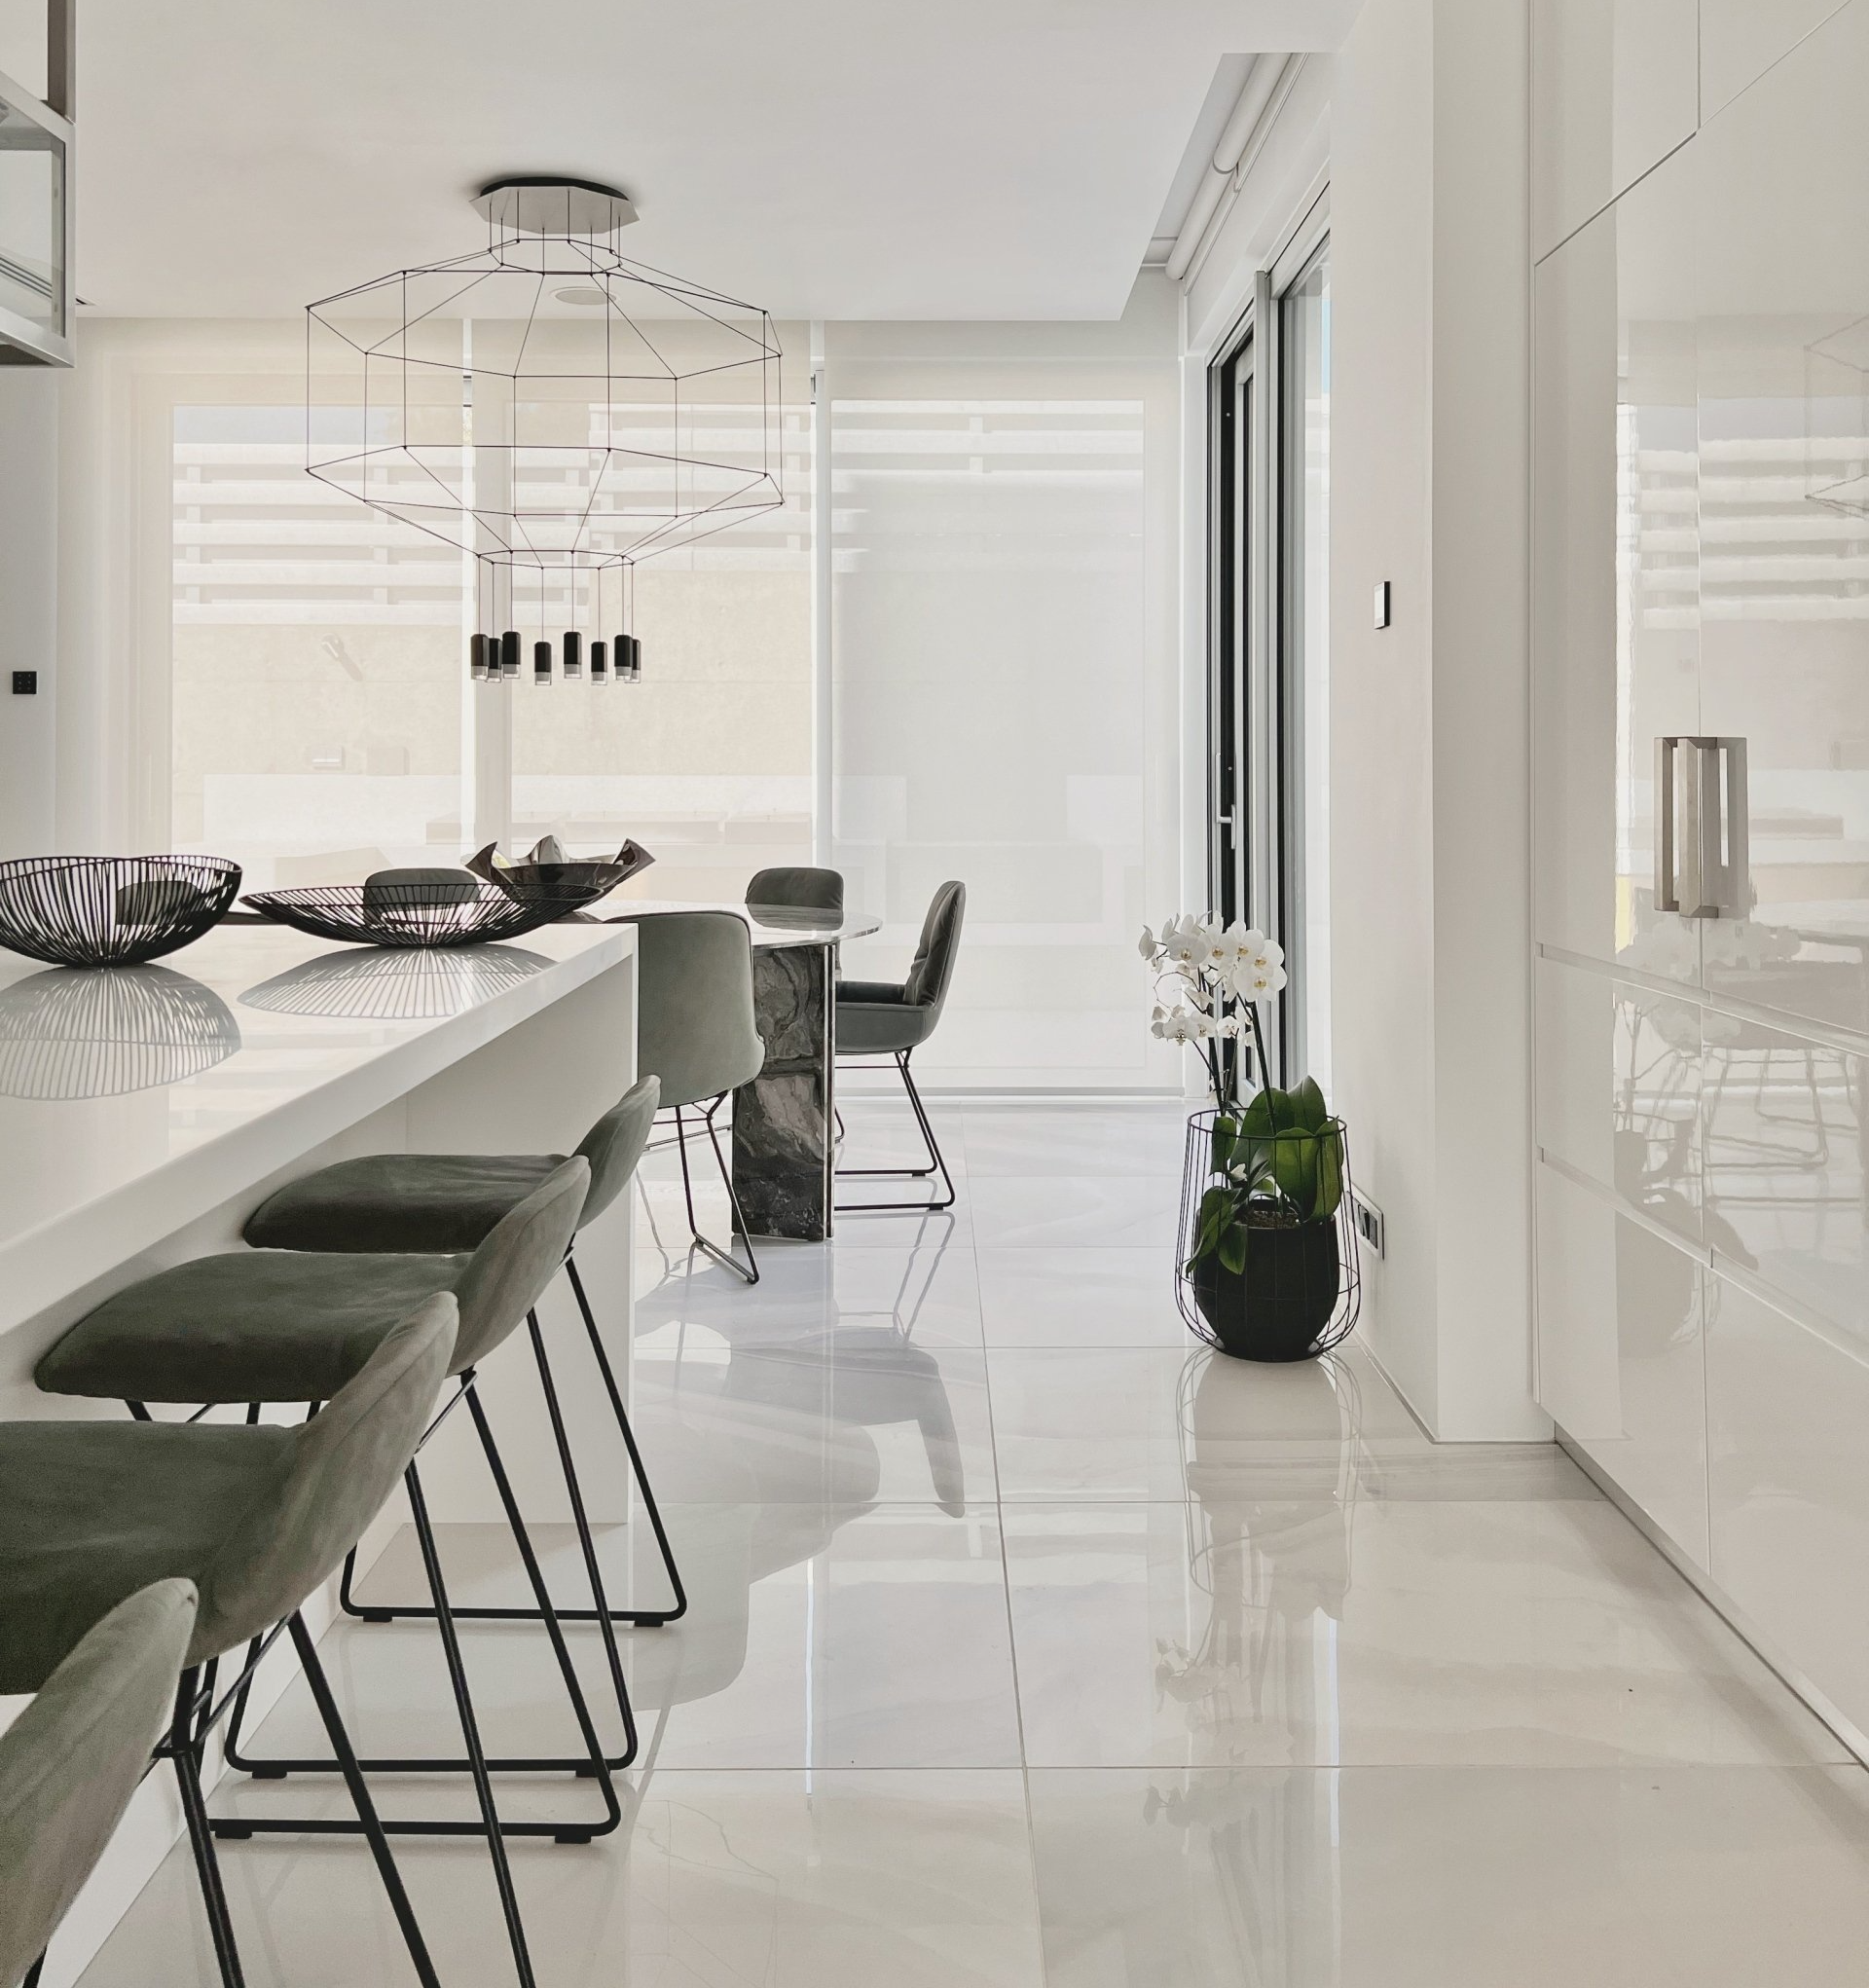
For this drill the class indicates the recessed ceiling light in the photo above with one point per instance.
(586, 294)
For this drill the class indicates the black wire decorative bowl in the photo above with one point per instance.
(415, 914)
(395, 987)
(69, 1034)
(1301, 1287)
(111, 910)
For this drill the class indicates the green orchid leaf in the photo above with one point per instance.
(1310, 1112)
(1329, 1171)
(1293, 1163)
(1233, 1248)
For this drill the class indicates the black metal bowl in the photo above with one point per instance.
(111, 910)
(421, 914)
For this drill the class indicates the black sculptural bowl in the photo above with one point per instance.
(111, 910)
(417, 914)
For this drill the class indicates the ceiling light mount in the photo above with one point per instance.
(544, 203)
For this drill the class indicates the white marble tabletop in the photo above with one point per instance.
(771, 925)
(134, 1099)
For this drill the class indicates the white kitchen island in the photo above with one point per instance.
(145, 1112)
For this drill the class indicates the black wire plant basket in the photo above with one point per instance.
(1288, 1285)
(415, 914)
(111, 910)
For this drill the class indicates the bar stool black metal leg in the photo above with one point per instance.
(180, 1747)
(360, 1798)
(600, 1766)
(470, 1731)
(600, 1611)
(647, 1617)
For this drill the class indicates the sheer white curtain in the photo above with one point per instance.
(1005, 702)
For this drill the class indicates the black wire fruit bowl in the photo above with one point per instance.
(111, 910)
(418, 914)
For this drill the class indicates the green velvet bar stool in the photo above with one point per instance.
(452, 1201)
(70, 1763)
(255, 1518)
(254, 1326)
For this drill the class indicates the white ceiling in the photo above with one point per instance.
(843, 159)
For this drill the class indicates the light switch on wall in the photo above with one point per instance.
(1383, 602)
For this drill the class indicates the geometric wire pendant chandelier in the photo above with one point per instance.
(556, 411)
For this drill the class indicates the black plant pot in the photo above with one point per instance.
(1280, 1304)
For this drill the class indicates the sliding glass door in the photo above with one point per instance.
(1268, 696)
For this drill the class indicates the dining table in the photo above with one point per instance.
(784, 1149)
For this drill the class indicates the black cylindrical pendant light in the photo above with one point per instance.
(600, 661)
(632, 651)
(573, 654)
(510, 653)
(477, 658)
(541, 662)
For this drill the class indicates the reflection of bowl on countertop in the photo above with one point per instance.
(75, 1033)
(395, 985)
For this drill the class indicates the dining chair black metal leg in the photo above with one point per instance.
(750, 1270)
(181, 1749)
(937, 1164)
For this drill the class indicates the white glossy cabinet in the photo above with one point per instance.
(1615, 86)
(1618, 1353)
(1619, 1091)
(1784, 253)
(1788, 1478)
(1701, 572)
(1782, 1152)
(1615, 569)
(1741, 39)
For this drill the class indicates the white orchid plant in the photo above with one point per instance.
(1278, 1155)
(1210, 978)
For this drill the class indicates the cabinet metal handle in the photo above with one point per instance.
(1702, 858)
(1664, 896)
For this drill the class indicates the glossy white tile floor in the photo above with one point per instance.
(1029, 1644)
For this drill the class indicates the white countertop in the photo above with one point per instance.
(134, 1099)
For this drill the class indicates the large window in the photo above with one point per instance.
(1004, 683)
(297, 689)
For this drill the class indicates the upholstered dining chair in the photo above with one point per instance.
(798, 887)
(890, 1018)
(695, 1032)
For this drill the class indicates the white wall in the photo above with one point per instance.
(1421, 124)
(28, 626)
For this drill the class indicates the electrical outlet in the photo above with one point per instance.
(1369, 1224)
(25, 682)
(1385, 603)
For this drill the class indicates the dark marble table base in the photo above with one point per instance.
(782, 1121)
